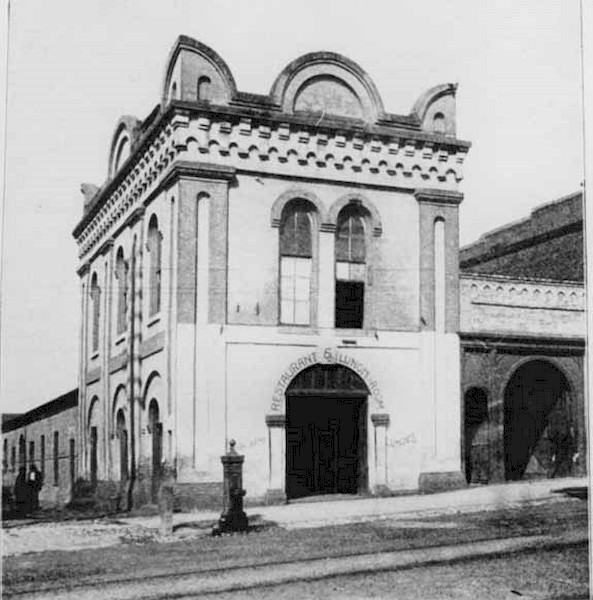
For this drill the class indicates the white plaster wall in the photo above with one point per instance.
(255, 366)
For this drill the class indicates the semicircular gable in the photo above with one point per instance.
(325, 83)
(196, 72)
(124, 137)
(436, 109)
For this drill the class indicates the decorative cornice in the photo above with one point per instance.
(530, 344)
(436, 196)
(200, 143)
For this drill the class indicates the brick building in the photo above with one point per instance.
(523, 343)
(46, 436)
(280, 269)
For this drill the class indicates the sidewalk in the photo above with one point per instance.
(77, 535)
(296, 515)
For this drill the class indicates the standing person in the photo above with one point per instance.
(21, 492)
(34, 482)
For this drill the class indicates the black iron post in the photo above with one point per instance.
(233, 517)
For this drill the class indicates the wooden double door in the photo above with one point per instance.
(325, 445)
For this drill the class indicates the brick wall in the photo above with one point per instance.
(546, 245)
(39, 435)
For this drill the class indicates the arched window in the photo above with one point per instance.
(173, 95)
(121, 274)
(296, 252)
(350, 267)
(439, 275)
(96, 312)
(438, 123)
(154, 281)
(203, 91)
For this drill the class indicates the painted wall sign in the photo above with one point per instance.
(324, 356)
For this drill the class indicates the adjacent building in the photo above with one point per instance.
(523, 344)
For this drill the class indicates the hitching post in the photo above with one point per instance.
(233, 517)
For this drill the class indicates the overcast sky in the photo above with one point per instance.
(76, 66)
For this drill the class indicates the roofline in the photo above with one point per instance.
(267, 115)
(53, 407)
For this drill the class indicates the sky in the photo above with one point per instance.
(75, 67)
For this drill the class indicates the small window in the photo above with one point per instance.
(438, 123)
(13, 459)
(204, 88)
(350, 268)
(296, 264)
(31, 452)
(56, 458)
(5, 456)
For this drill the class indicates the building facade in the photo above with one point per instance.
(523, 344)
(281, 270)
(47, 437)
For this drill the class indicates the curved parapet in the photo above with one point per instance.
(436, 110)
(125, 136)
(195, 72)
(327, 83)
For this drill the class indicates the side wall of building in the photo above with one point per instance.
(52, 444)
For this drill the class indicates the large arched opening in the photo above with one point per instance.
(326, 432)
(539, 432)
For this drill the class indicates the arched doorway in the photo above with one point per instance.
(477, 461)
(156, 432)
(539, 433)
(122, 438)
(326, 432)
